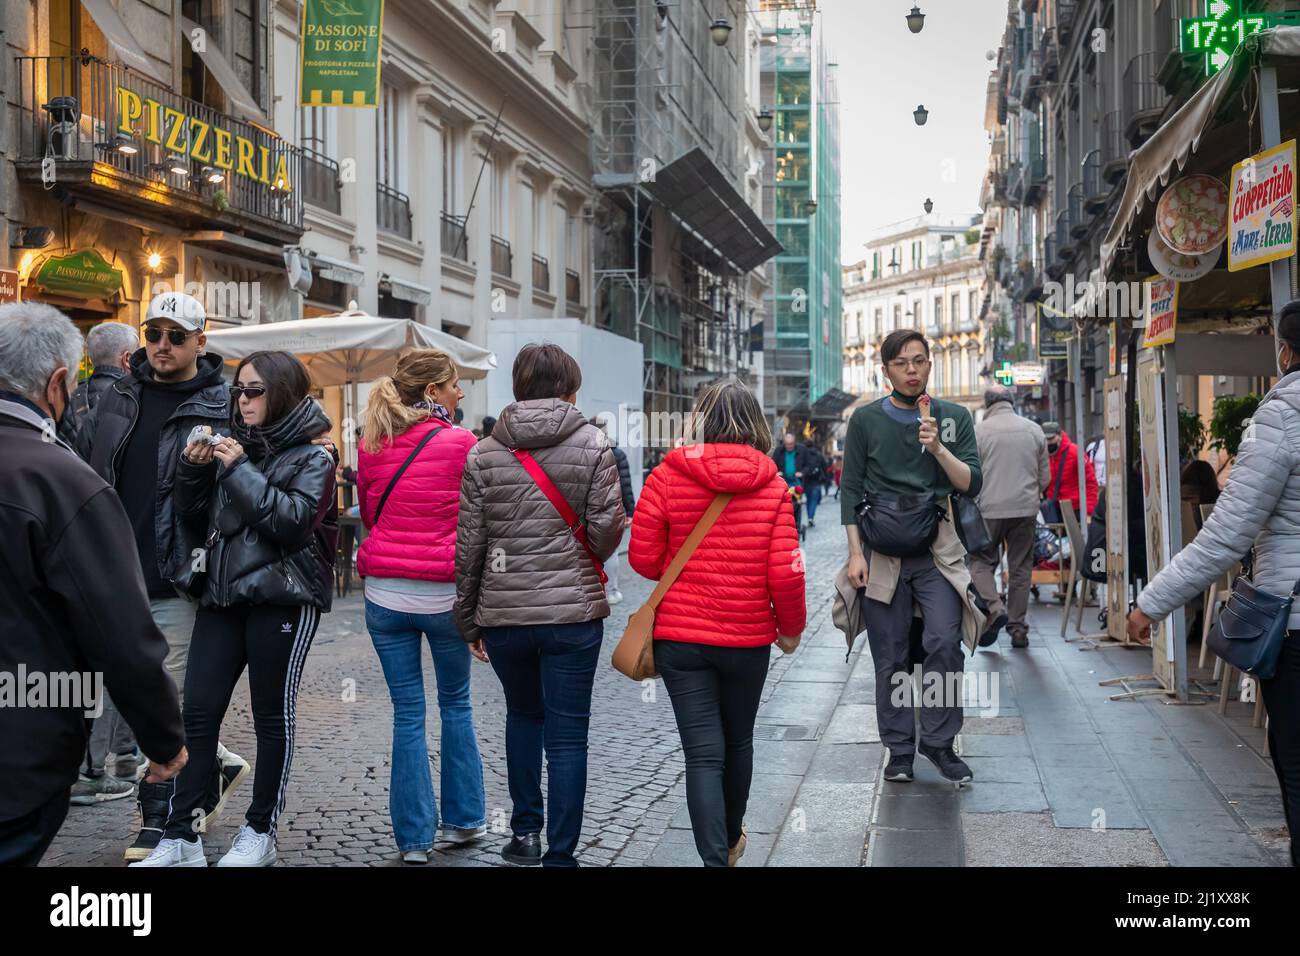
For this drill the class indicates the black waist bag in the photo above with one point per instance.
(901, 526)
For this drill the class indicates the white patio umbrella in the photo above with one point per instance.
(349, 348)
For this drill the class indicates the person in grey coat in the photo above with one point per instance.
(1259, 508)
(1014, 452)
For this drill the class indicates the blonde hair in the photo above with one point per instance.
(728, 412)
(390, 411)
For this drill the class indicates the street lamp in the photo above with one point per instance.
(765, 119)
(915, 19)
(920, 114)
(929, 206)
(720, 30)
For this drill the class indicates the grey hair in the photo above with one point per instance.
(106, 341)
(998, 393)
(36, 339)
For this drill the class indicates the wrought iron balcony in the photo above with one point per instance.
(455, 237)
(1078, 224)
(393, 211)
(503, 260)
(541, 274)
(1114, 149)
(1144, 98)
(1095, 190)
(321, 186)
(103, 130)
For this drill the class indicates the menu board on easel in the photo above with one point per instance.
(1116, 512)
(1151, 431)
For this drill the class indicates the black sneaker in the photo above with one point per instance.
(1019, 638)
(949, 764)
(995, 626)
(524, 850)
(154, 801)
(899, 768)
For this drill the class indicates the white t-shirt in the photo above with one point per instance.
(411, 595)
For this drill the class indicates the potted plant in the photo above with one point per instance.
(1231, 415)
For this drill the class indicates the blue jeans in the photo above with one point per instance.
(396, 636)
(814, 498)
(546, 672)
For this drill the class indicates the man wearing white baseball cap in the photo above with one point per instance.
(133, 440)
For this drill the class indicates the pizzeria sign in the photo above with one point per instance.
(182, 134)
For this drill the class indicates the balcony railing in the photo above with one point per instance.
(541, 274)
(1114, 150)
(455, 238)
(572, 287)
(1031, 77)
(1078, 224)
(247, 172)
(394, 211)
(321, 186)
(503, 260)
(1049, 249)
(1064, 238)
(1095, 191)
(1144, 98)
(1065, 12)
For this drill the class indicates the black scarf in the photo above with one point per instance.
(300, 425)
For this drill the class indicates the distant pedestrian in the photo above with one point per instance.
(411, 464)
(61, 526)
(1063, 464)
(109, 346)
(814, 479)
(540, 510)
(272, 537)
(740, 592)
(1013, 452)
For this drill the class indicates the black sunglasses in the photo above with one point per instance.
(252, 391)
(154, 335)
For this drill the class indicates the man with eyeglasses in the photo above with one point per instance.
(133, 440)
(898, 450)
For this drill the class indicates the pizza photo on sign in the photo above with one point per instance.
(1192, 215)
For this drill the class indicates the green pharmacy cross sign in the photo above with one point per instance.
(1005, 375)
(1225, 26)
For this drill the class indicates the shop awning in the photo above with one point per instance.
(696, 191)
(124, 45)
(1151, 165)
(241, 101)
(830, 407)
(336, 270)
(406, 291)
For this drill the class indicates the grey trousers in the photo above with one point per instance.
(889, 626)
(1017, 536)
(110, 734)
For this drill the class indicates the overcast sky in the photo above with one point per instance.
(889, 164)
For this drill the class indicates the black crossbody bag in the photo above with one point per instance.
(1252, 626)
(379, 509)
(1051, 508)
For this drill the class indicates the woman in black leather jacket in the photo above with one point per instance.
(267, 575)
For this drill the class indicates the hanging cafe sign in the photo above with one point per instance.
(340, 42)
(1263, 196)
(185, 135)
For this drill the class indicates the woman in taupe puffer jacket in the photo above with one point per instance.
(529, 597)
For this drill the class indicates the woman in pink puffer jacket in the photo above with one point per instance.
(408, 563)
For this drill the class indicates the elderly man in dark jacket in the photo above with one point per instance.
(58, 524)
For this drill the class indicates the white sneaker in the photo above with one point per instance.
(250, 849)
(614, 597)
(459, 836)
(175, 852)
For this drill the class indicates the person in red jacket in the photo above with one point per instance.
(408, 562)
(740, 592)
(1061, 449)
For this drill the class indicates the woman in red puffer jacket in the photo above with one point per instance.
(740, 592)
(408, 562)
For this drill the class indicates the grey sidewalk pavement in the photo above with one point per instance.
(1065, 776)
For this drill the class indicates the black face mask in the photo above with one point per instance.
(1053, 449)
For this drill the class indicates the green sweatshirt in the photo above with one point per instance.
(884, 456)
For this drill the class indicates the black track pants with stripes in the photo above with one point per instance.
(272, 642)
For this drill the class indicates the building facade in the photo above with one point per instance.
(924, 275)
(802, 333)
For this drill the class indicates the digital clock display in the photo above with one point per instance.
(1223, 28)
